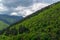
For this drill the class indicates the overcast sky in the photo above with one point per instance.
(23, 7)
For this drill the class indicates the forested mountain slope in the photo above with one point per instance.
(3, 25)
(6, 20)
(43, 25)
(9, 19)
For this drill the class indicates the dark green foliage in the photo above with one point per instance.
(58, 33)
(20, 38)
(11, 32)
(36, 38)
(8, 32)
(14, 32)
(1, 32)
(23, 29)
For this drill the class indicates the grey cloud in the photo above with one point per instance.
(15, 3)
(12, 4)
(7, 11)
(47, 1)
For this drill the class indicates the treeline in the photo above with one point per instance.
(14, 31)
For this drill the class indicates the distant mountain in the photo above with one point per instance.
(8, 20)
(3, 25)
(41, 25)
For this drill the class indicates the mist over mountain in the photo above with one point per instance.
(10, 19)
(23, 7)
(7, 20)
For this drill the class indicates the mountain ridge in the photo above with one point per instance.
(8, 20)
(2, 18)
(45, 25)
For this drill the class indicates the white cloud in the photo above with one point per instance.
(38, 6)
(0, 0)
(14, 13)
(2, 7)
(29, 10)
(35, 7)
(13, 7)
(56, 0)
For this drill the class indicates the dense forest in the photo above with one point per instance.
(41, 25)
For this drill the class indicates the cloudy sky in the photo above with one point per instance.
(23, 7)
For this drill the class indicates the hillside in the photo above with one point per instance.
(9, 19)
(6, 20)
(42, 25)
(3, 25)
